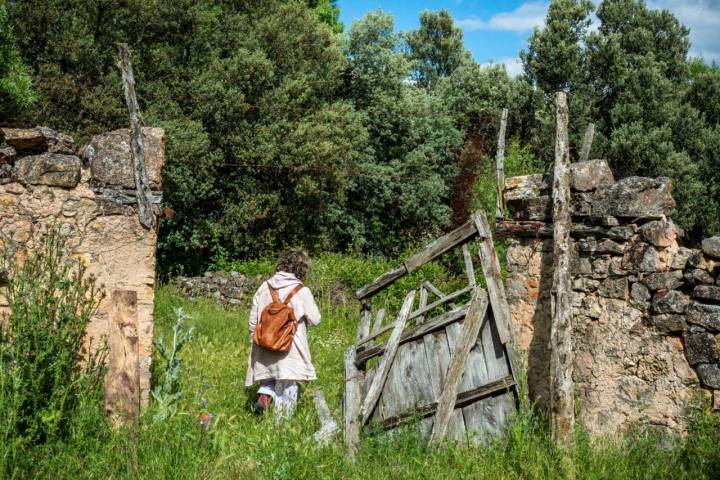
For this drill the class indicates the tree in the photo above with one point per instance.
(328, 12)
(16, 91)
(435, 49)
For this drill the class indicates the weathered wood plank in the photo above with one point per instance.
(422, 303)
(471, 328)
(351, 403)
(381, 282)
(386, 361)
(500, 166)
(469, 269)
(587, 142)
(437, 352)
(488, 417)
(463, 399)
(415, 333)
(537, 229)
(328, 425)
(475, 373)
(493, 351)
(137, 147)
(441, 245)
(562, 411)
(435, 291)
(378, 321)
(364, 323)
(122, 381)
(493, 278)
(408, 383)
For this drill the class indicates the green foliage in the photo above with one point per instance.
(42, 381)
(16, 91)
(436, 49)
(167, 390)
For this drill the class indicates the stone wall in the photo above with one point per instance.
(88, 194)
(646, 310)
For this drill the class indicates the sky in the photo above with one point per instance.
(495, 31)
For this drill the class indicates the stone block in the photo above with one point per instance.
(701, 347)
(707, 292)
(581, 204)
(669, 323)
(623, 233)
(5, 173)
(7, 154)
(610, 247)
(639, 296)
(531, 208)
(580, 265)
(650, 260)
(590, 175)
(53, 169)
(711, 247)
(659, 233)
(709, 374)
(600, 267)
(635, 197)
(111, 162)
(663, 280)
(681, 257)
(39, 139)
(697, 276)
(591, 307)
(614, 288)
(670, 302)
(696, 260)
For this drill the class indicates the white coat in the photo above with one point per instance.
(295, 364)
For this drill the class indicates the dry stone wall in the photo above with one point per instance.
(646, 310)
(88, 194)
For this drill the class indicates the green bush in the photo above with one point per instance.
(44, 379)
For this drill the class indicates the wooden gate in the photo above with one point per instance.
(449, 361)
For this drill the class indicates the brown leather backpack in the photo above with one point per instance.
(277, 324)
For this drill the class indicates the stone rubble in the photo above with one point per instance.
(228, 288)
(646, 309)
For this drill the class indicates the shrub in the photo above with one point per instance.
(43, 377)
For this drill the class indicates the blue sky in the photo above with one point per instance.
(495, 31)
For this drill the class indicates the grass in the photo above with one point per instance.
(245, 447)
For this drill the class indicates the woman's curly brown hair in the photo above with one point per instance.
(296, 262)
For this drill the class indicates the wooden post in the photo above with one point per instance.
(500, 166)
(386, 361)
(351, 403)
(470, 331)
(365, 320)
(142, 184)
(122, 381)
(561, 356)
(422, 303)
(469, 269)
(587, 142)
(378, 321)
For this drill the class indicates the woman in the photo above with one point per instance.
(280, 372)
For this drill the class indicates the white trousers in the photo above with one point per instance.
(285, 395)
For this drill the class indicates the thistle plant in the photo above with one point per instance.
(167, 391)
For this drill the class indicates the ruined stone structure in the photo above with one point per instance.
(646, 310)
(88, 194)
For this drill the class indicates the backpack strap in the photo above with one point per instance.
(297, 288)
(273, 293)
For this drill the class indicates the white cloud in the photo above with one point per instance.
(513, 65)
(702, 17)
(522, 19)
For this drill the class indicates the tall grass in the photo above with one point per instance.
(242, 446)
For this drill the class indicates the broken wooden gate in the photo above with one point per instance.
(449, 361)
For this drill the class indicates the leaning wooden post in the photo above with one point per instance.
(500, 166)
(587, 142)
(351, 403)
(561, 354)
(137, 147)
(122, 381)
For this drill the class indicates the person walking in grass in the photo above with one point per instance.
(282, 309)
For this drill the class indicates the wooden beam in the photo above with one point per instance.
(561, 355)
(470, 330)
(537, 229)
(378, 321)
(493, 277)
(122, 381)
(435, 291)
(465, 398)
(418, 332)
(351, 403)
(381, 282)
(469, 269)
(587, 142)
(328, 425)
(375, 390)
(500, 166)
(137, 147)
